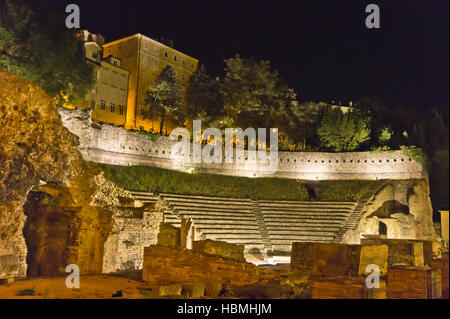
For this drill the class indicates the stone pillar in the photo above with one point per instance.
(444, 226)
(185, 233)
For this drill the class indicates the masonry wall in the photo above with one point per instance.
(115, 145)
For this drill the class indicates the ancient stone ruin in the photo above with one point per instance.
(56, 209)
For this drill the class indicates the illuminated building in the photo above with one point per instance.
(108, 97)
(145, 58)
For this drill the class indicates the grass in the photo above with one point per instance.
(158, 180)
(152, 179)
(342, 190)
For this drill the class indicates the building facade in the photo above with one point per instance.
(145, 58)
(108, 97)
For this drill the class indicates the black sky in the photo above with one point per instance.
(321, 48)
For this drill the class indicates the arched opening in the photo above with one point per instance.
(47, 231)
(382, 228)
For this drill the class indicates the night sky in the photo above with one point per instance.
(322, 49)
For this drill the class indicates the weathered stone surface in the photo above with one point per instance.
(172, 290)
(169, 236)
(404, 207)
(374, 255)
(219, 248)
(338, 288)
(335, 260)
(443, 265)
(165, 265)
(124, 248)
(406, 282)
(115, 145)
(36, 149)
(193, 289)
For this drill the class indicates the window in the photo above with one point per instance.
(146, 46)
(166, 54)
(102, 105)
(175, 58)
(113, 107)
(156, 49)
(120, 109)
(184, 62)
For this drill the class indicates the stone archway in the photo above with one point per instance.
(36, 147)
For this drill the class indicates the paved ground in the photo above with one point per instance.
(91, 287)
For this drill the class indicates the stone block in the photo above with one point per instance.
(443, 265)
(338, 288)
(219, 248)
(9, 265)
(172, 290)
(169, 236)
(165, 265)
(193, 289)
(213, 288)
(404, 252)
(374, 255)
(407, 282)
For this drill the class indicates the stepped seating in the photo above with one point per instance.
(263, 224)
(290, 221)
(218, 218)
(144, 197)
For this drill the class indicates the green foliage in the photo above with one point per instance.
(153, 136)
(344, 190)
(165, 98)
(204, 98)
(278, 189)
(151, 179)
(39, 49)
(343, 131)
(385, 135)
(416, 154)
(253, 92)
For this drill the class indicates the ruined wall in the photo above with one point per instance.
(115, 145)
(165, 265)
(36, 149)
(414, 223)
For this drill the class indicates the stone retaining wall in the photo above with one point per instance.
(115, 145)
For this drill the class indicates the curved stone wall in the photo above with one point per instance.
(115, 145)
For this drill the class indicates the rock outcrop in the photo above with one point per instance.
(42, 170)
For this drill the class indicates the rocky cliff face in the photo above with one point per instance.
(42, 170)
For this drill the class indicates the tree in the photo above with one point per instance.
(299, 122)
(343, 131)
(165, 97)
(203, 97)
(39, 48)
(253, 92)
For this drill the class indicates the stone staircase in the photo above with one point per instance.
(355, 216)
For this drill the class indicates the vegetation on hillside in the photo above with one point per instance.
(37, 48)
(152, 179)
